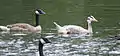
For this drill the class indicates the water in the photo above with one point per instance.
(63, 12)
(25, 45)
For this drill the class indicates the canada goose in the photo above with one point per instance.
(25, 26)
(42, 41)
(73, 29)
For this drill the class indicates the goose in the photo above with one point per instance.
(25, 26)
(74, 29)
(42, 41)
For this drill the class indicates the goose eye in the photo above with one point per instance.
(89, 18)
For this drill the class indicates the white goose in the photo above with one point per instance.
(25, 26)
(74, 29)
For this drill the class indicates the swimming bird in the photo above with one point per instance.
(74, 29)
(42, 41)
(25, 26)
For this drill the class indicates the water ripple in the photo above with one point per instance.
(85, 46)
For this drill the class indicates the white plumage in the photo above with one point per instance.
(74, 29)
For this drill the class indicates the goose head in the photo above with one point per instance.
(42, 41)
(91, 18)
(39, 11)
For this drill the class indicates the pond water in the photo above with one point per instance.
(104, 42)
(27, 45)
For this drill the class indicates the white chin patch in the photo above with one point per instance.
(36, 12)
(42, 41)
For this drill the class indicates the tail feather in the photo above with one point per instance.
(57, 26)
(4, 28)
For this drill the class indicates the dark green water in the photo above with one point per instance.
(107, 12)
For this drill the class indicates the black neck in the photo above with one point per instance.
(41, 49)
(37, 20)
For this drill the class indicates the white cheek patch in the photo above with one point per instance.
(36, 12)
(42, 41)
(88, 21)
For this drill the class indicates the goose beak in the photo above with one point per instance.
(94, 18)
(46, 40)
(42, 12)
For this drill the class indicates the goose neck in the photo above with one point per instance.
(37, 20)
(89, 27)
(41, 49)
